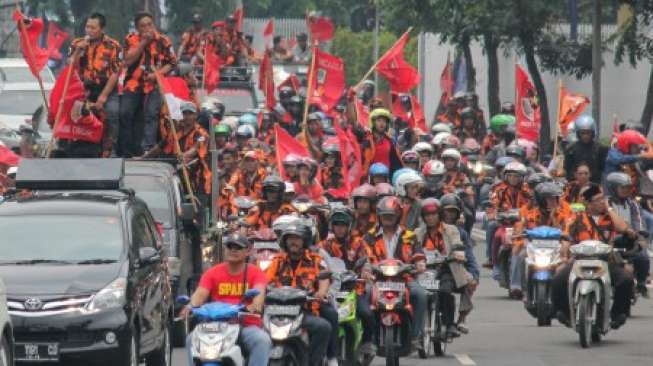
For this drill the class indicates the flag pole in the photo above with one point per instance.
(557, 124)
(173, 130)
(371, 70)
(206, 47)
(309, 91)
(57, 117)
(30, 54)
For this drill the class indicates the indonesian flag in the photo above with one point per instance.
(527, 108)
(35, 56)
(8, 157)
(268, 34)
(571, 106)
(266, 80)
(401, 76)
(362, 112)
(56, 38)
(176, 92)
(238, 14)
(291, 81)
(321, 28)
(212, 64)
(328, 79)
(286, 145)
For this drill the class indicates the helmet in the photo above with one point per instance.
(423, 147)
(236, 239)
(515, 167)
(281, 222)
(451, 141)
(286, 92)
(467, 112)
(451, 200)
(364, 191)
(222, 129)
(440, 127)
(616, 180)
(440, 138)
(398, 173)
(585, 123)
(379, 169)
(298, 229)
(433, 167)
(273, 182)
(405, 179)
(384, 189)
(516, 151)
(507, 108)
(430, 205)
(245, 131)
(315, 116)
(536, 178)
(292, 160)
(471, 146)
(264, 234)
(528, 146)
(628, 138)
(450, 154)
(296, 99)
(502, 162)
(331, 146)
(248, 119)
(571, 133)
(409, 156)
(501, 120)
(545, 190)
(341, 215)
(379, 113)
(310, 163)
(389, 205)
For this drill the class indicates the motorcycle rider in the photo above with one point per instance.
(363, 200)
(586, 149)
(574, 188)
(248, 179)
(390, 240)
(498, 125)
(601, 222)
(385, 150)
(227, 282)
(425, 152)
(434, 174)
(379, 173)
(408, 187)
(299, 267)
(410, 159)
(271, 206)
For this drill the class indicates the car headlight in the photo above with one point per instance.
(112, 296)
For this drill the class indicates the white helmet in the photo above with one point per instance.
(440, 138)
(515, 167)
(451, 154)
(290, 188)
(231, 121)
(571, 133)
(406, 179)
(440, 127)
(433, 167)
(423, 146)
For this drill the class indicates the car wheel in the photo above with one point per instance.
(130, 356)
(5, 353)
(163, 355)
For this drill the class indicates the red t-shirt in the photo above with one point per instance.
(382, 152)
(228, 288)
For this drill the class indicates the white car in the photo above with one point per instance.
(6, 335)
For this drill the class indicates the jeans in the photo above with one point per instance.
(647, 216)
(254, 341)
(489, 236)
(365, 314)
(320, 331)
(517, 269)
(137, 135)
(641, 267)
(329, 313)
(112, 108)
(419, 301)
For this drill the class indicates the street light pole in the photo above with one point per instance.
(376, 45)
(596, 63)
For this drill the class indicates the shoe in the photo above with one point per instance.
(418, 345)
(332, 362)
(462, 328)
(487, 264)
(618, 321)
(643, 291)
(516, 294)
(452, 331)
(562, 318)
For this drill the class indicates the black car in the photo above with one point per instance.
(83, 266)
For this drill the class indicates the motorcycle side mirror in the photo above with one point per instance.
(360, 263)
(644, 234)
(252, 293)
(182, 300)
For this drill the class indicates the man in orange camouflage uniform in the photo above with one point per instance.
(248, 179)
(191, 39)
(364, 198)
(99, 66)
(147, 51)
(271, 206)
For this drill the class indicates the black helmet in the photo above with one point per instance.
(467, 112)
(341, 215)
(298, 229)
(536, 178)
(508, 108)
(286, 92)
(451, 200)
(296, 99)
(616, 180)
(516, 151)
(236, 239)
(275, 183)
(546, 190)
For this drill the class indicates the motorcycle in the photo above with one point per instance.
(390, 300)
(264, 253)
(282, 319)
(590, 291)
(542, 259)
(432, 336)
(502, 248)
(213, 341)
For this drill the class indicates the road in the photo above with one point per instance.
(504, 334)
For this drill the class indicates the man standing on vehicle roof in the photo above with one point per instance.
(227, 282)
(191, 39)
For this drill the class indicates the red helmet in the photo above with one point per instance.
(430, 205)
(389, 205)
(628, 138)
(384, 189)
(263, 234)
(364, 191)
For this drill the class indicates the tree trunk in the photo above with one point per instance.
(647, 113)
(492, 49)
(545, 128)
(469, 63)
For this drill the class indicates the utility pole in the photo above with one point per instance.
(596, 63)
(376, 45)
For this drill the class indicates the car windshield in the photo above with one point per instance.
(20, 102)
(236, 101)
(22, 74)
(153, 191)
(60, 238)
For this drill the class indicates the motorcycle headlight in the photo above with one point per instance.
(390, 271)
(112, 296)
(543, 260)
(279, 332)
(264, 264)
(210, 351)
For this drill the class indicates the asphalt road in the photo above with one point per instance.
(504, 334)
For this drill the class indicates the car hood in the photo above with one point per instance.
(57, 280)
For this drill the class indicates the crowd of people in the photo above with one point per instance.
(419, 190)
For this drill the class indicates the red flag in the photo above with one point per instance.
(415, 117)
(35, 56)
(291, 81)
(418, 114)
(8, 157)
(571, 106)
(527, 109)
(446, 82)
(286, 145)
(362, 112)
(213, 63)
(238, 14)
(351, 158)
(266, 80)
(73, 123)
(321, 28)
(268, 34)
(399, 111)
(401, 75)
(176, 92)
(328, 79)
(56, 38)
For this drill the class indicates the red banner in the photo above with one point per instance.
(35, 56)
(238, 15)
(328, 79)
(571, 106)
(320, 28)
(286, 145)
(56, 38)
(415, 117)
(362, 112)
(8, 157)
(212, 66)
(266, 80)
(527, 108)
(401, 75)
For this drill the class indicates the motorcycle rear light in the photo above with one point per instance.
(159, 228)
(388, 319)
(390, 295)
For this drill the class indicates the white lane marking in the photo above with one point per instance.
(465, 360)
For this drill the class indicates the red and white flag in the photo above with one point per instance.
(176, 92)
(268, 34)
(527, 108)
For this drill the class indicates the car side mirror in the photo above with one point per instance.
(187, 213)
(148, 255)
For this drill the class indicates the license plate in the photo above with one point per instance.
(343, 312)
(283, 310)
(391, 286)
(37, 351)
(430, 283)
(276, 352)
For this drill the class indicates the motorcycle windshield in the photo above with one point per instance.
(544, 232)
(217, 311)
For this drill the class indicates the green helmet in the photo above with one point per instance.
(222, 129)
(501, 120)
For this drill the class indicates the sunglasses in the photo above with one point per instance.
(234, 247)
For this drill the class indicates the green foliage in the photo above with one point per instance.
(338, 10)
(634, 42)
(181, 12)
(357, 51)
